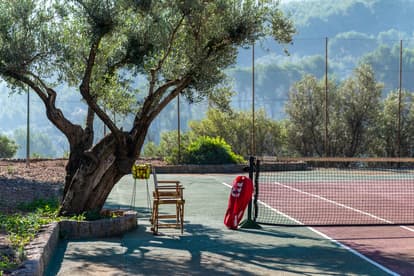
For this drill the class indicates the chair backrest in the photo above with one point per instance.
(166, 188)
(154, 177)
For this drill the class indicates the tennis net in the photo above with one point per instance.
(334, 191)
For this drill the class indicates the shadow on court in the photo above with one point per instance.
(205, 251)
(206, 247)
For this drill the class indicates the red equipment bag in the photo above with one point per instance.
(240, 196)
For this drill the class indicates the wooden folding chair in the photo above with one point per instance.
(167, 192)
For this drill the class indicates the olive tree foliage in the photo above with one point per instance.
(389, 141)
(306, 116)
(8, 147)
(98, 48)
(353, 108)
(235, 128)
(358, 109)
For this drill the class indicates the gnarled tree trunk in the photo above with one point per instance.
(92, 174)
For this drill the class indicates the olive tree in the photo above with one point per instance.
(100, 47)
(389, 140)
(8, 147)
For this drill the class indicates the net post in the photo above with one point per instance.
(256, 189)
(250, 223)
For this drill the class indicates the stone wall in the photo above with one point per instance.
(39, 251)
(101, 228)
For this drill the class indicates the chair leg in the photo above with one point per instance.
(182, 218)
(154, 218)
(177, 214)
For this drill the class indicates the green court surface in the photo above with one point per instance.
(207, 247)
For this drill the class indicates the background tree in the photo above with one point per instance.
(353, 110)
(40, 143)
(99, 47)
(305, 109)
(235, 128)
(8, 147)
(358, 109)
(387, 137)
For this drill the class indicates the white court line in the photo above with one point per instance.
(333, 202)
(356, 253)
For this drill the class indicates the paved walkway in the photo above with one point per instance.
(207, 247)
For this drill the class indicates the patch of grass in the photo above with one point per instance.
(6, 263)
(93, 215)
(22, 228)
(46, 207)
(80, 217)
(10, 169)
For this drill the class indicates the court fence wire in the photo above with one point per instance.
(333, 191)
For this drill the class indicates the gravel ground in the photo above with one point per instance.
(21, 184)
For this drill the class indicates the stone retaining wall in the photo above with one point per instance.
(102, 228)
(40, 250)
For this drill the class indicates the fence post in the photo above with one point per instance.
(253, 141)
(179, 129)
(28, 129)
(399, 104)
(327, 153)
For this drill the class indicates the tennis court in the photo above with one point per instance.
(354, 193)
(332, 197)
(207, 247)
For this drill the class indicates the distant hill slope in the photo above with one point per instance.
(357, 31)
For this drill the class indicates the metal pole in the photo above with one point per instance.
(178, 128)
(399, 105)
(326, 100)
(28, 130)
(253, 142)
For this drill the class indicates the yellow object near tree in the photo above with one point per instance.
(141, 171)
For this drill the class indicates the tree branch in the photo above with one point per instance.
(48, 96)
(85, 90)
(170, 43)
(154, 71)
(166, 100)
(150, 101)
(89, 126)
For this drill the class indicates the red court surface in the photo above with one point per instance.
(390, 246)
(320, 203)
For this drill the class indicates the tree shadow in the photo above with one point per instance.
(206, 250)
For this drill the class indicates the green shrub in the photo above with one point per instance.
(46, 207)
(210, 150)
(8, 148)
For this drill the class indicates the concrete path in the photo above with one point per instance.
(206, 247)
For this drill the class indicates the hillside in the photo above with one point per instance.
(357, 31)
